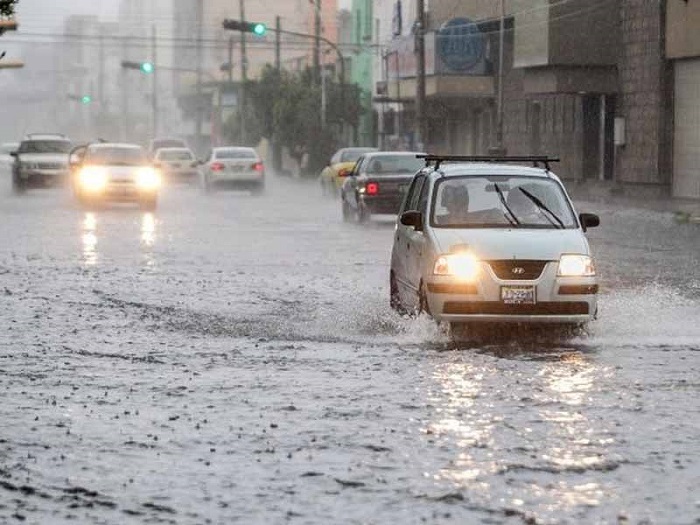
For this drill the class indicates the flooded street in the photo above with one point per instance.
(233, 359)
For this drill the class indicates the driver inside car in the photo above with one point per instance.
(455, 200)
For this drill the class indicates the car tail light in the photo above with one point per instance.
(217, 166)
(372, 188)
(258, 166)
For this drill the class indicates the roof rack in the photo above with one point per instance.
(535, 159)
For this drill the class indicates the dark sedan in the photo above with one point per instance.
(378, 183)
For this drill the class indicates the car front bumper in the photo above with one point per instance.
(566, 300)
(44, 175)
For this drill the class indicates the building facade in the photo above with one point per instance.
(611, 88)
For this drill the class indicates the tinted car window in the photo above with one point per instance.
(45, 146)
(236, 154)
(394, 164)
(117, 156)
(351, 155)
(414, 193)
(175, 155)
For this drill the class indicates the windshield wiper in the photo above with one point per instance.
(559, 224)
(512, 219)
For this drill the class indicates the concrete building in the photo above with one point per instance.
(609, 87)
(363, 38)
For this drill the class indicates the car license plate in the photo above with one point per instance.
(518, 294)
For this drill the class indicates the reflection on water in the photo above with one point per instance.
(90, 237)
(523, 422)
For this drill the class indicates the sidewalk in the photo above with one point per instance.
(685, 210)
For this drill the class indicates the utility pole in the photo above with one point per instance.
(317, 40)
(199, 113)
(101, 74)
(242, 103)
(278, 45)
(154, 98)
(500, 148)
(276, 151)
(418, 142)
(230, 59)
(125, 93)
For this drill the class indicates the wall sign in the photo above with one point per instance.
(460, 45)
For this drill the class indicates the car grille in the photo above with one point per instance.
(495, 308)
(514, 270)
(50, 166)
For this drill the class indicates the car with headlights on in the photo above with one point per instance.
(177, 164)
(378, 183)
(114, 172)
(340, 165)
(40, 160)
(238, 167)
(481, 240)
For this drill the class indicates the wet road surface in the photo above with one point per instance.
(233, 359)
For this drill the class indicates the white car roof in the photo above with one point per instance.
(113, 145)
(490, 168)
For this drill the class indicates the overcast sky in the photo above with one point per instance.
(37, 14)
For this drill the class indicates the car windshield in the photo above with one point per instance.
(351, 155)
(45, 146)
(175, 155)
(500, 201)
(117, 156)
(235, 154)
(394, 164)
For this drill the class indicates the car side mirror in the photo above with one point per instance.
(589, 220)
(14, 154)
(412, 218)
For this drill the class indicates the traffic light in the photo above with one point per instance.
(257, 28)
(144, 67)
(85, 100)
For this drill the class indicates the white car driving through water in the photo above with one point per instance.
(481, 240)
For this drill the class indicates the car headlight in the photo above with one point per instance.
(463, 265)
(576, 266)
(92, 178)
(148, 179)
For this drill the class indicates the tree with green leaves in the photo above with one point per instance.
(7, 7)
(286, 107)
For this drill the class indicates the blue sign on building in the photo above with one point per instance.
(460, 45)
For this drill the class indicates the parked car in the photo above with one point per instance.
(492, 242)
(239, 167)
(40, 160)
(378, 183)
(341, 163)
(114, 172)
(177, 164)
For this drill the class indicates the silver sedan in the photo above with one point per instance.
(233, 166)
